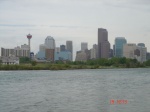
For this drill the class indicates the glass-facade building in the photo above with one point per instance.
(119, 42)
(63, 56)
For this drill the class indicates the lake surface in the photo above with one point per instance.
(75, 90)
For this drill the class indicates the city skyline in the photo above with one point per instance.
(64, 21)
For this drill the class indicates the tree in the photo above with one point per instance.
(24, 60)
(33, 63)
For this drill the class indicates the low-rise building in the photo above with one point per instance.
(10, 60)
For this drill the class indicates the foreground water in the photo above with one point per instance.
(75, 90)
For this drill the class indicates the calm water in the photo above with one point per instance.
(75, 90)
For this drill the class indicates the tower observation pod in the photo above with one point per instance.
(29, 36)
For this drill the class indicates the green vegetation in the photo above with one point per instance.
(113, 63)
(33, 63)
(24, 60)
(26, 64)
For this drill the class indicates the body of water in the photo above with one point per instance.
(99, 90)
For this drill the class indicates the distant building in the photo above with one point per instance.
(7, 52)
(88, 54)
(69, 47)
(50, 42)
(141, 44)
(41, 55)
(62, 48)
(47, 50)
(32, 55)
(114, 50)
(63, 56)
(95, 46)
(57, 49)
(81, 56)
(111, 53)
(25, 46)
(147, 55)
(10, 60)
(49, 54)
(93, 53)
(103, 43)
(135, 52)
(119, 42)
(42, 47)
(84, 46)
(17, 51)
(22, 52)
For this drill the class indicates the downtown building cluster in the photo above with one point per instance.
(12, 55)
(120, 49)
(49, 52)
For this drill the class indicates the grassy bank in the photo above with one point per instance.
(46, 66)
(102, 63)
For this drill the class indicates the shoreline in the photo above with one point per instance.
(60, 67)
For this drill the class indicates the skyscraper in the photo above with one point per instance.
(95, 46)
(84, 46)
(62, 48)
(69, 47)
(50, 42)
(103, 43)
(119, 42)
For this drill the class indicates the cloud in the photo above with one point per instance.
(15, 25)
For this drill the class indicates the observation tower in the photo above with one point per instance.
(29, 36)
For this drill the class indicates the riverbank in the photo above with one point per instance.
(60, 67)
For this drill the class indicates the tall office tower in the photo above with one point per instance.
(62, 48)
(119, 42)
(29, 36)
(141, 44)
(50, 42)
(95, 46)
(103, 43)
(93, 53)
(84, 46)
(69, 47)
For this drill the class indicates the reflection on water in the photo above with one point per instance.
(102, 90)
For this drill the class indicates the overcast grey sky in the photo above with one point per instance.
(76, 20)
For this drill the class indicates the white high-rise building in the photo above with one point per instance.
(93, 53)
(50, 42)
(134, 52)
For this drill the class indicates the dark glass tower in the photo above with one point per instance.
(103, 43)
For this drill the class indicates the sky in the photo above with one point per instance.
(76, 20)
